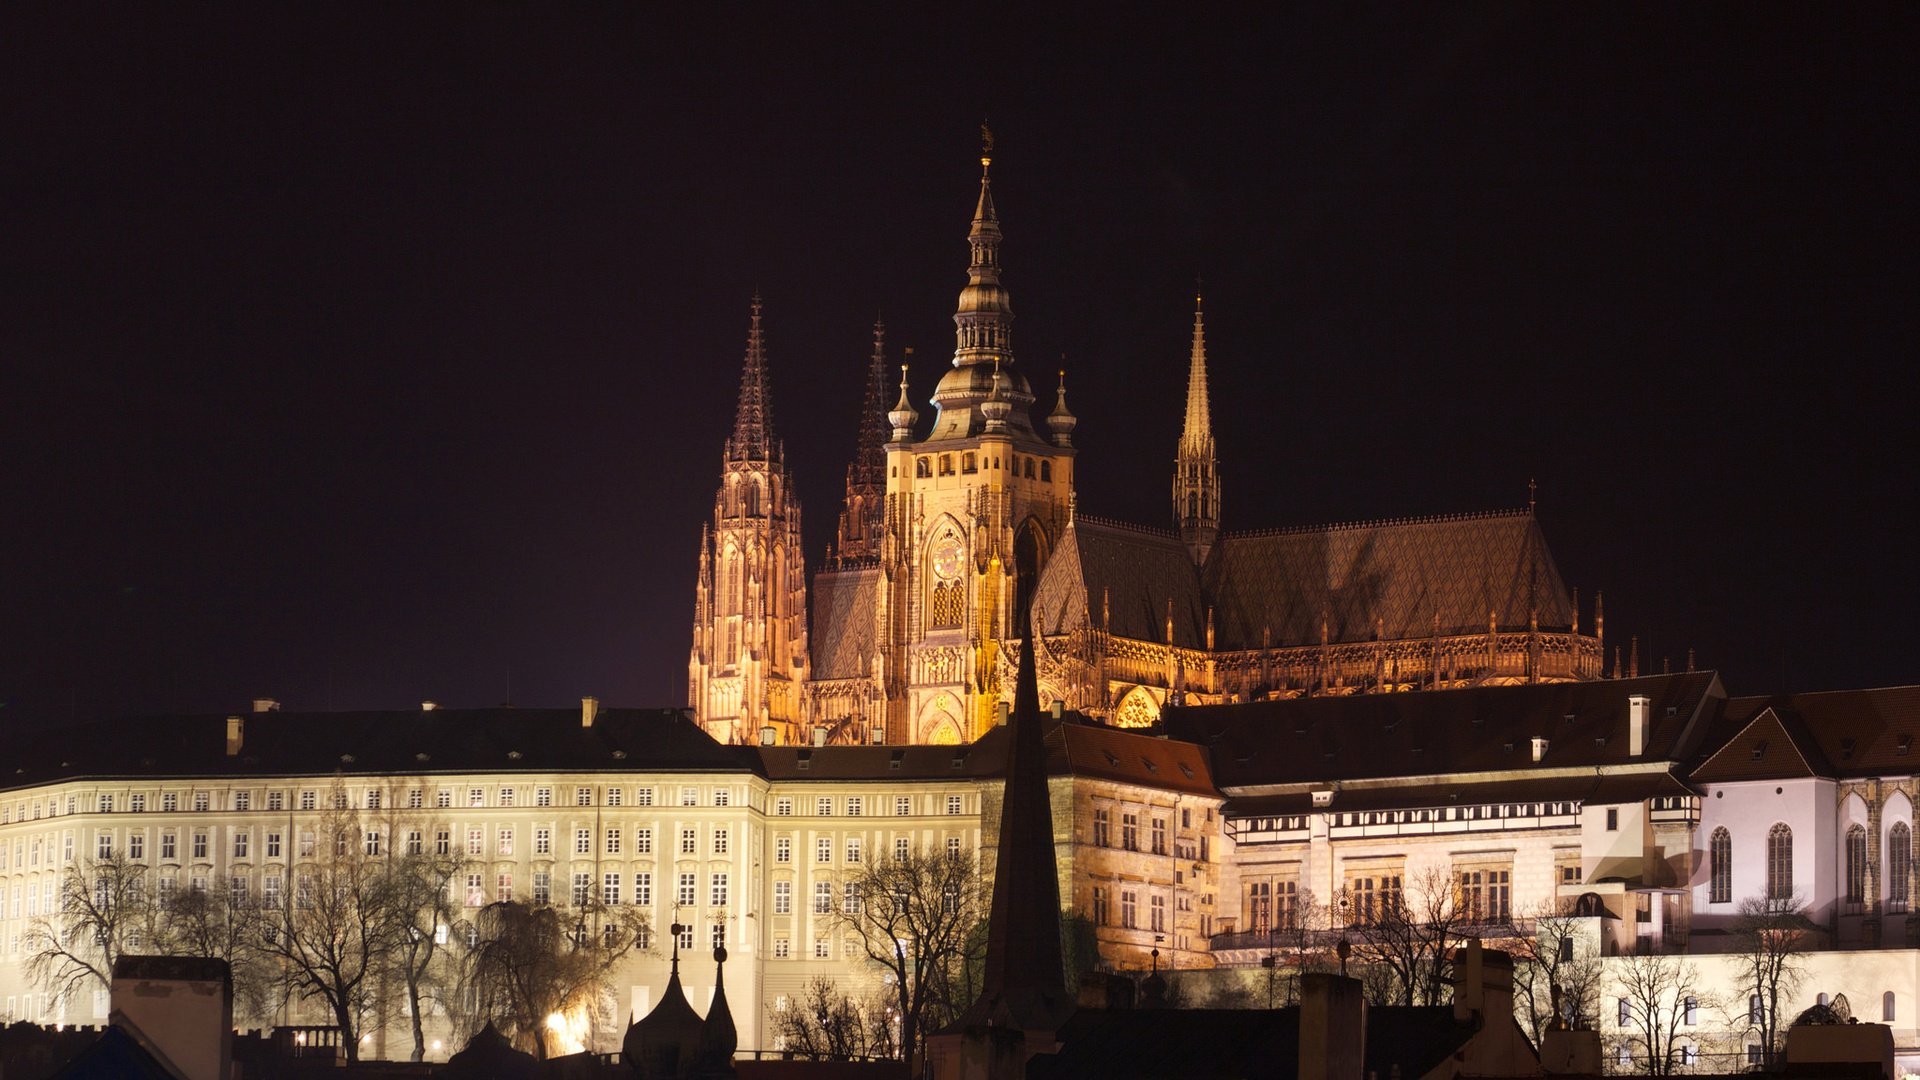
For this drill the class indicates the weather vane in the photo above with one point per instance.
(986, 144)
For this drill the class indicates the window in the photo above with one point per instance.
(476, 840)
(1129, 914)
(781, 948)
(582, 888)
(1856, 867)
(689, 796)
(684, 894)
(1689, 1055)
(1613, 819)
(1102, 827)
(721, 841)
(505, 838)
(1690, 1011)
(823, 806)
(1625, 1013)
(717, 891)
(823, 849)
(1720, 867)
(902, 805)
(853, 849)
(850, 898)
(1287, 904)
(643, 840)
(783, 808)
(613, 841)
(643, 888)
(442, 843)
(953, 804)
(542, 840)
(643, 796)
(610, 887)
(243, 800)
(503, 887)
(415, 800)
(820, 949)
(202, 801)
(583, 796)
(1159, 910)
(1130, 832)
(1099, 905)
(1780, 862)
(721, 797)
(242, 840)
(613, 796)
(442, 799)
(542, 887)
(1753, 1056)
(1756, 1009)
(1260, 906)
(902, 847)
(823, 898)
(783, 898)
(200, 844)
(1886, 1007)
(137, 803)
(543, 796)
(953, 847)
(506, 796)
(414, 845)
(1159, 836)
(855, 805)
(783, 849)
(169, 802)
(1487, 895)
(103, 846)
(689, 841)
(136, 846)
(270, 891)
(373, 800)
(583, 841)
(1899, 866)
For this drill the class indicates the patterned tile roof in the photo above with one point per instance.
(1391, 576)
(1837, 733)
(1130, 571)
(845, 605)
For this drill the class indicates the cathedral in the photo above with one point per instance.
(908, 635)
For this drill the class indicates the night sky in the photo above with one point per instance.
(365, 354)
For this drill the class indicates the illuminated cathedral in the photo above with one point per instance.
(907, 634)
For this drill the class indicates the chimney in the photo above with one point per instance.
(589, 708)
(819, 736)
(236, 734)
(1639, 714)
(1001, 710)
(766, 736)
(265, 704)
(1482, 984)
(428, 706)
(1059, 709)
(1539, 747)
(1333, 1028)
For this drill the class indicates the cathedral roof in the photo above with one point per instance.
(1836, 734)
(384, 743)
(1486, 730)
(844, 604)
(1128, 572)
(1390, 577)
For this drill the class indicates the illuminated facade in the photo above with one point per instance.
(909, 637)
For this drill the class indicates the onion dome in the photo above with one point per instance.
(718, 1039)
(996, 408)
(903, 416)
(1060, 421)
(664, 1045)
(489, 1056)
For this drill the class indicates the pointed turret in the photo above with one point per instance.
(904, 415)
(1061, 421)
(861, 512)
(1196, 470)
(718, 1039)
(752, 438)
(664, 1043)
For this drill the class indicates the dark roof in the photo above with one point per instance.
(878, 762)
(844, 603)
(379, 743)
(1391, 576)
(1837, 733)
(1484, 729)
(172, 968)
(1128, 757)
(1130, 573)
(1232, 1044)
(115, 1055)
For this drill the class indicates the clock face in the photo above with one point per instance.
(946, 558)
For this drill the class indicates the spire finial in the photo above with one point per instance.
(986, 146)
(903, 416)
(1061, 421)
(1533, 490)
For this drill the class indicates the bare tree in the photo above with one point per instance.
(334, 931)
(1556, 955)
(918, 918)
(1409, 932)
(221, 925)
(422, 903)
(827, 1025)
(1660, 998)
(105, 912)
(1773, 932)
(529, 962)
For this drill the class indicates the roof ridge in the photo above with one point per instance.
(1379, 523)
(1128, 526)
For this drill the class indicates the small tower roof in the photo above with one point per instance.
(664, 1043)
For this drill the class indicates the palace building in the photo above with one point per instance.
(908, 634)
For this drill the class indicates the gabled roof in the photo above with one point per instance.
(1444, 732)
(1128, 758)
(1835, 733)
(1390, 577)
(1130, 573)
(373, 743)
(842, 635)
(1766, 748)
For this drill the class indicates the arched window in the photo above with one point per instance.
(1899, 866)
(1886, 1007)
(1856, 866)
(1720, 867)
(1046, 471)
(1780, 862)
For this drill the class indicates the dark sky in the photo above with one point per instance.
(367, 353)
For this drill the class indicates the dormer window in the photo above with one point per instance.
(1760, 750)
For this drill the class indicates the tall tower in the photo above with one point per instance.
(1196, 471)
(973, 510)
(862, 514)
(749, 654)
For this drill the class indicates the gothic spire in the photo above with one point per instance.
(862, 511)
(983, 322)
(752, 437)
(1196, 471)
